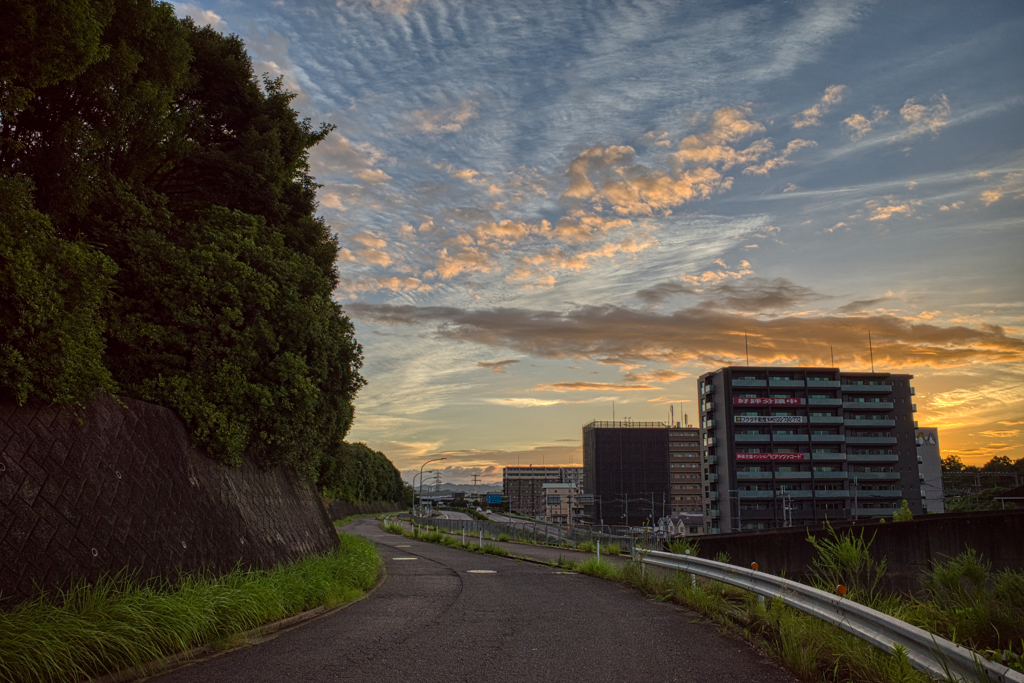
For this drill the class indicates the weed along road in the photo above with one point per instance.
(445, 614)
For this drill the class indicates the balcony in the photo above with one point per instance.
(709, 424)
(871, 439)
(749, 383)
(830, 475)
(714, 514)
(710, 459)
(831, 494)
(757, 494)
(792, 475)
(872, 457)
(828, 438)
(913, 391)
(711, 477)
(874, 512)
(826, 419)
(753, 475)
(790, 438)
(863, 476)
(869, 423)
(876, 388)
(786, 383)
(867, 405)
(709, 441)
(757, 438)
(880, 494)
(821, 383)
(801, 493)
(707, 406)
(828, 456)
(713, 495)
(825, 402)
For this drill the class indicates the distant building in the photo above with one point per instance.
(640, 472)
(790, 446)
(524, 486)
(558, 497)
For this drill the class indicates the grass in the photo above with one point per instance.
(118, 623)
(441, 538)
(966, 603)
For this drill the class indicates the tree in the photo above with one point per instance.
(171, 249)
(903, 514)
(51, 296)
(952, 463)
(998, 463)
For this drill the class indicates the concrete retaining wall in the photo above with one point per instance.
(910, 548)
(122, 487)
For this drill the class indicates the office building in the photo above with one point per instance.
(640, 472)
(790, 446)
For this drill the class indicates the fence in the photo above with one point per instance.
(935, 656)
(523, 531)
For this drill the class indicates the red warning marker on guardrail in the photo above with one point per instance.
(753, 565)
(841, 589)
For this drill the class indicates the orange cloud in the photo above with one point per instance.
(812, 116)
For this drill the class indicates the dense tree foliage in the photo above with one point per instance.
(952, 464)
(360, 474)
(158, 237)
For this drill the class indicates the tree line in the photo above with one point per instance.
(159, 238)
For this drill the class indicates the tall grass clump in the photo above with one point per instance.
(119, 622)
(971, 605)
(845, 559)
(684, 546)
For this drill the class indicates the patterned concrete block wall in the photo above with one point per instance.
(117, 487)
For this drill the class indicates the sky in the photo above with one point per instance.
(550, 211)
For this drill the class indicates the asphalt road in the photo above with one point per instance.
(436, 618)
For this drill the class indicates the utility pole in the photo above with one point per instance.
(476, 478)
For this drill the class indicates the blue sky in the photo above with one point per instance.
(547, 207)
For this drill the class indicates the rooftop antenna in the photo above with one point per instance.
(871, 351)
(832, 354)
(747, 348)
(613, 411)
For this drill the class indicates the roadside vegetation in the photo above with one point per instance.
(964, 601)
(436, 536)
(119, 623)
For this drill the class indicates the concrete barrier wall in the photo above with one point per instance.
(910, 548)
(118, 487)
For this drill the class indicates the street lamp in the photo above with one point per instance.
(421, 474)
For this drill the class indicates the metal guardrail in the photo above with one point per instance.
(935, 656)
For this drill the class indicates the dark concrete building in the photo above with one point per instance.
(639, 472)
(789, 446)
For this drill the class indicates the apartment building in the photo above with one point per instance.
(559, 499)
(790, 446)
(640, 472)
(524, 486)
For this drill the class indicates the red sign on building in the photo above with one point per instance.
(769, 456)
(767, 401)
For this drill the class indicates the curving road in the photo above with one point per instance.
(451, 615)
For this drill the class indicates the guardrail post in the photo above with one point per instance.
(599, 551)
(693, 577)
(753, 565)
(481, 537)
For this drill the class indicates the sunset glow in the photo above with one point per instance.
(545, 208)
